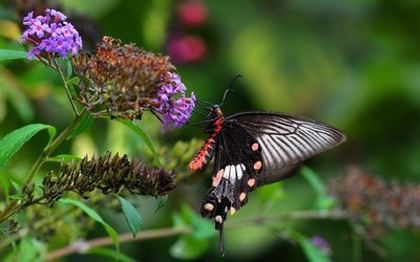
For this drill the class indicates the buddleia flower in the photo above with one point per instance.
(125, 81)
(50, 34)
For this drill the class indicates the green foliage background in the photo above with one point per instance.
(354, 64)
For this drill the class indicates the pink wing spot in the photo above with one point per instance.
(242, 196)
(255, 147)
(257, 165)
(217, 178)
(251, 182)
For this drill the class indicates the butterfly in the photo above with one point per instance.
(251, 149)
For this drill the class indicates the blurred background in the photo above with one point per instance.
(353, 64)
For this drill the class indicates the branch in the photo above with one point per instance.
(83, 246)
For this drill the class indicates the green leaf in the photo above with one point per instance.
(322, 201)
(19, 193)
(162, 203)
(95, 216)
(7, 54)
(30, 250)
(132, 217)
(106, 252)
(188, 247)
(5, 184)
(85, 123)
(202, 228)
(313, 253)
(13, 141)
(69, 69)
(140, 132)
(63, 158)
(313, 180)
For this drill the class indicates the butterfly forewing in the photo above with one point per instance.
(286, 140)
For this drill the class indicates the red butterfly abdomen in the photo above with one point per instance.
(207, 150)
(203, 156)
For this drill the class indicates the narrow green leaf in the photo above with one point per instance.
(106, 252)
(322, 201)
(7, 54)
(132, 217)
(162, 203)
(63, 158)
(85, 123)
(5, 185)
(313, 253)
(95, 216)
(13, 141)
(140, 132)
(19, 193)
(313, 180)
(69, 69)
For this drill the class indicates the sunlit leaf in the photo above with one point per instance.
(6, 54)
(95, 216)
(132, 216)
(63, 158)
(12, 142)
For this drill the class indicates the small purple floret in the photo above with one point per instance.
(50, 33)
(173, 104)
(322, 244)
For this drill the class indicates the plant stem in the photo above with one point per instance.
(66, 86)
(54, 145)
(173, 231)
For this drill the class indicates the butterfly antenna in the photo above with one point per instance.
(230, 89)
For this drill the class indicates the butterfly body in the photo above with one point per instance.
(252, 149)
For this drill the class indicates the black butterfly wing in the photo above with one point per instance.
(236, 167)
(255, 148)
(234, 174)
(286, 140)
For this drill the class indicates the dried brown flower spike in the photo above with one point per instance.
(122, 79)
(110, 174)
(377, 203)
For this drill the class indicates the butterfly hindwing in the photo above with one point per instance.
(238, 162)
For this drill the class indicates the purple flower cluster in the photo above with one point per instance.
(173, 104)
(50, 33)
